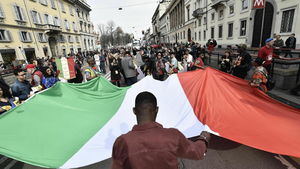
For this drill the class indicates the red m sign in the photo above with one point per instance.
(258, 4)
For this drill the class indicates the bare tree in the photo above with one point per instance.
(102, 29)
(111, 35)
(111, 26)
(118, 33)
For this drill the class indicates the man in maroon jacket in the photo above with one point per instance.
(149, 145)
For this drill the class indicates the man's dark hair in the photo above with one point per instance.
(17, 71)
(145, 98)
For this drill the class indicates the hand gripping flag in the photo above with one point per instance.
(74, 125)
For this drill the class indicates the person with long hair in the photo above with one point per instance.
(49, 78)
(115, 69)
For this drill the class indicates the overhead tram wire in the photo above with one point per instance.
(132, 5)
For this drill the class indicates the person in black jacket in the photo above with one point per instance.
(290, 44)
(243, 62)
(5, 88)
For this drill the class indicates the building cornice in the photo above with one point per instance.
(82, 4)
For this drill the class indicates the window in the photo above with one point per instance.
(74, 27)
(1, 13)
(212, 31)
(19, 13)
(42, 37)
(44, 2)
(67, 25)
(188, 12)
(230, 30)
(231, 9)
(204, 35)
(199, 22)
(220, 31)
(78, 13)
(287, 21)
(213, 16)
(70, 39)
(62, 6)
(199, 34)
(25, 36)
(71, 10)
(244, 4)
(243, 28)
(49, 19)
(204, 20)
(81, 26)
(5, 35)
(56, 21)
(53, 4)
(36, 17)
(77, 39)
(183, 34)
(195, 35)
(221, 14)
(62, 38)
(46, 19)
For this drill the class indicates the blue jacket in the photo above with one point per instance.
(21, 89)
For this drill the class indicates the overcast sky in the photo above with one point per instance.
(135, 13)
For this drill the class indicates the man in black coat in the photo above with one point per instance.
(290, 44)
(243, 62)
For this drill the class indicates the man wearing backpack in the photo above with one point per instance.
(36, 75)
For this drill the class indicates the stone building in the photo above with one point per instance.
(31, 29)
(232, 22)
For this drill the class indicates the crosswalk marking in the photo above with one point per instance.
(12, 163)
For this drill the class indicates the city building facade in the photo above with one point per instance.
(160, 21)
(86, 27)
(232, 22)
(31, 29)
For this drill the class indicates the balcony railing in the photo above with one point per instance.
(218, 3)
(198, 12)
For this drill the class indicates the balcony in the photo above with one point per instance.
(52, 29)
(198, 13)
(218, 3)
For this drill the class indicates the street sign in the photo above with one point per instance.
(257, 4)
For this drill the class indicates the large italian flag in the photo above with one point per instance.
(74, 125)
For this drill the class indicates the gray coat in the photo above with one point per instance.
(128, 67)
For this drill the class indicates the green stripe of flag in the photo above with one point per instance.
(67, 116)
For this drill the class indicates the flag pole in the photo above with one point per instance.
(262, 26)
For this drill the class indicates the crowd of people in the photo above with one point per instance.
(128, 65)
(160, 62)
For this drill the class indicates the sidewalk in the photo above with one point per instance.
(285, 97)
